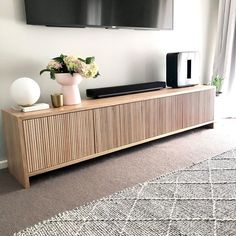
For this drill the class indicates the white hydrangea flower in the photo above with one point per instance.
(72, 63)
(54, 65)
(88, 70)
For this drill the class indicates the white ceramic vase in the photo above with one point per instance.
(69, 87)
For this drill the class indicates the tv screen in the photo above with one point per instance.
(146, 14)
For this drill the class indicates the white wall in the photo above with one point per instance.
(124, 56)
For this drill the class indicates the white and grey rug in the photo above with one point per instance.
(197, 201)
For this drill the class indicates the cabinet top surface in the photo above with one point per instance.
(88, 104)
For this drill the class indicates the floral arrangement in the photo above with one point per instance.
(87, 68)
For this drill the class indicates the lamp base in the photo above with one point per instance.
(34, 107)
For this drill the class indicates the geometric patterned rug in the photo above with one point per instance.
(197, 201)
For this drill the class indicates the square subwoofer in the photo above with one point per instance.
(182, 69)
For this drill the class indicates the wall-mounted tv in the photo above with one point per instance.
(138, 14)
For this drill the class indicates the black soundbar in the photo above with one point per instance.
(124, 89)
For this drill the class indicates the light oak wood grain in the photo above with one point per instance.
(107, 128)
(111, 101)
(54, 140)
(15, 149)
(41, 141)
(132, 123)
(207, 124)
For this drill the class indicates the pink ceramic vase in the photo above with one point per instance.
(70, 89)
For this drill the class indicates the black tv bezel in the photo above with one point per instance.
(102, 26)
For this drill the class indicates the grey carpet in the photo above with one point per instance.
(67, 188)
(197, 201)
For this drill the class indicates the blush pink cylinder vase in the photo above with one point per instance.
(69, 87)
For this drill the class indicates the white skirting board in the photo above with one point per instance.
(3, 164)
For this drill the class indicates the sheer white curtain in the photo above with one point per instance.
(225, 54)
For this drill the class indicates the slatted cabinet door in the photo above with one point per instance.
(120, 125)
(198, 107)
(191, 109)
(57, 139)
(206, 105)
(162, 115)
(173, 113)
(132, 123)
(107, 128)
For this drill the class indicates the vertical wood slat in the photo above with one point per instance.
(53, 140)
(28, 144)
(32, 147)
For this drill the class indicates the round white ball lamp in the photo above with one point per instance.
(25, 91)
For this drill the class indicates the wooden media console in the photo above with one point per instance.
(41, 141)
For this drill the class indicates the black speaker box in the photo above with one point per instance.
(124, 89)
(182, 69)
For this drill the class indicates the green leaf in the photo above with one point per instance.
(96, 75)
(62, 56)
(89, 60)
(52, 74)
(81, 59)
(59, 59)
(42, 71)
(217, 81)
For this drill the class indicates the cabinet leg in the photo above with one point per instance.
(210, 126)
(21, 178)
(26, 183)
